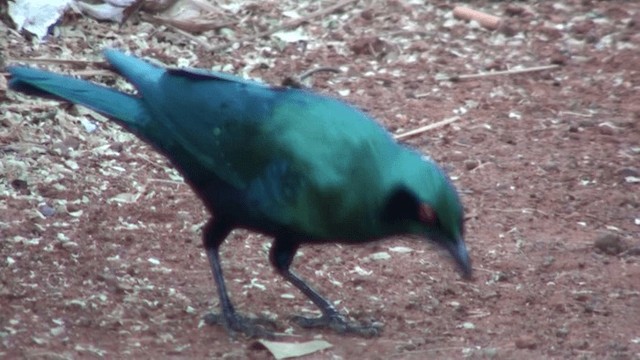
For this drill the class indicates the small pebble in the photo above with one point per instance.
(468, 325)
(634, 251)
(526, 342)
(514, 10)
(580, 344)
(562, 332)
(456, 156)
(548, 261)
(471, 164)
(69, 245)
(39, 341)
(606, 129)
(57, 330)
(501, 276)
(489, 295)
(550, 166)
(380, 256)
(581, 296)
(490, 353)
(609, 243)
(628, 171)
(5, 122)
(46, 210)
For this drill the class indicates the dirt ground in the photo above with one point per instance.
(100, 246)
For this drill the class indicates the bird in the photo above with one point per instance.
(290, 163)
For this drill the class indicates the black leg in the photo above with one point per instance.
(282, 253)
(214, 234)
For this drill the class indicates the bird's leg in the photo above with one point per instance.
(282, 253)
(214, 234)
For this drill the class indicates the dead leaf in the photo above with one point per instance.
(285, 350)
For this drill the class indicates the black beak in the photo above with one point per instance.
(458, 251)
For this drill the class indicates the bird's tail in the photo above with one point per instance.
(124, 108)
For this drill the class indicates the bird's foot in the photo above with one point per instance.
(339, 324)
(252, 327)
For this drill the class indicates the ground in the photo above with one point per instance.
(101, 253)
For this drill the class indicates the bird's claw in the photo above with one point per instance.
(338, 324)
(252, 327)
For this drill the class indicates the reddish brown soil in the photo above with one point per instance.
(547, 162)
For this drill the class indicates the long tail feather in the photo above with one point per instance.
(124, 108)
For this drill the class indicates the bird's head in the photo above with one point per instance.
(423, 201)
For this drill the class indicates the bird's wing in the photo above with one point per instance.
(212, 75)
(336, 157)
(285, 148)
(214, 118)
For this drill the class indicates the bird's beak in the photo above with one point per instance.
(458, 251)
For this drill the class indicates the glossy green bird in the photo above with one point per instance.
(289, 163)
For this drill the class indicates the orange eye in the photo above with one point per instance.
(427, 215)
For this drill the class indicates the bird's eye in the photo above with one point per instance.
(427, 215)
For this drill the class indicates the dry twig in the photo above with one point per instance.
(99, 63)
(296, 82)
(310, 72)
(426, 128)
(191, 25)
(488, 21)
(496, 73)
